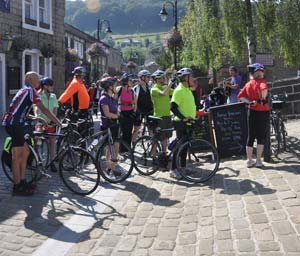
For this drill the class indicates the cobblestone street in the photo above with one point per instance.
(239, 212)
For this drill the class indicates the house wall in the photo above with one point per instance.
(11, 22)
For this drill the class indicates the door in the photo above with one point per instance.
(2, 84)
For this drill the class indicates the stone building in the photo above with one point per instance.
(96, 56)
(36, 30)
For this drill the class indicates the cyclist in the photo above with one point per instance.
(14, 122)
(109, 116)
(255, 94)
(234, 85)
(184, 108)
(143, 101)
(50, 102)
(77, 92)
(160, 96)
(125, 96)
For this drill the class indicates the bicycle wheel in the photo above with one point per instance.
(197, 160)
(283, 135)
(33, 167)
(79, 171)
(71, 138)
(115, 171)
(146, 155)
(275, 136)
(42, 148)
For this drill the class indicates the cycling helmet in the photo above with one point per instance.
(255, 67)
(79, 71)
(107, 82)
(144, 72)
(158, 74)
(46, 81)
(125, 77)
(184, 72)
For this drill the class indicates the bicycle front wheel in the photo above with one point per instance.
(197, 160)
(116, 168)
(146, 153)
(79, 171)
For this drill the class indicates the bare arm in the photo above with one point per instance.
(108, 114)
(48, 113)
(166, 90)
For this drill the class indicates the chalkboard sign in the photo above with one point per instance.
(204, 130)
(230, 125)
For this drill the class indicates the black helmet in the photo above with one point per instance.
(125, 77)
(107, 82)
(79, 71)
(46, 81)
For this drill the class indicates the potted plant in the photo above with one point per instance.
(175, 40)
(71, 55)
(97, 49)
(47, 50)
(19, 44)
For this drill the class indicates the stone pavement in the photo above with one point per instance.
(239, 212)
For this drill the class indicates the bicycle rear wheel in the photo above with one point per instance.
(79, 171)
(33, 167)
(275, 136)
(115, 171)
(146, 154)
(197, 160)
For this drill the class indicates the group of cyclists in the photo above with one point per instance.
(119, 100)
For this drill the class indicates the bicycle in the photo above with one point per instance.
(201, 157)
(278, 131)
(102, 145)
(77, 168)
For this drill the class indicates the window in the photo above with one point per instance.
(34, 61)
(37, 15)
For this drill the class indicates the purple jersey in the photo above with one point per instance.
(20, 106)
(112, 106)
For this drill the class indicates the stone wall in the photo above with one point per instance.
(11, 22)
(292, 87)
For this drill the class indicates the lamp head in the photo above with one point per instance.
(163, 13)
(108, 31)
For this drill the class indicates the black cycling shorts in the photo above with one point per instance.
(16, 132)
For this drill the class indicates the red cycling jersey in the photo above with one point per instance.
(253, 91)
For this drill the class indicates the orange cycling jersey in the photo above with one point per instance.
(77, 92)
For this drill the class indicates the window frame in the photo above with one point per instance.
(34, 23)
(35, 66)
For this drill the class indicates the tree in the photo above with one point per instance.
(219, 32)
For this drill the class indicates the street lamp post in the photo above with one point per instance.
(99, 27)
(164, 15)
(100, 24)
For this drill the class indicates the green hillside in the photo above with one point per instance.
(125, 16)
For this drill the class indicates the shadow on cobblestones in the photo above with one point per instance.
(46, 223)
(148, 194)
(294, 145)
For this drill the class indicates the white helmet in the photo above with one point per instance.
(144, 72)
(158, 74)
(183, 72)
